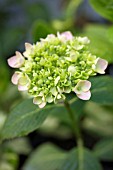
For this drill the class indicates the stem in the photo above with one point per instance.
(77, 134)
(76, 129)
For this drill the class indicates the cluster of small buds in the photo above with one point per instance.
(54, 66)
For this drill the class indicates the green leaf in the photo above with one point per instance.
(25, 118)
(98, 119)
(104, 149)
(58, 122)
(59, 111)
(46, 157)
(23, 144)
(102, 90)
(54, 127)
(76, 105)
(100, 45)
(2, 119)
(81, 161)
(50, 157)
(104, 8)
(8, 160)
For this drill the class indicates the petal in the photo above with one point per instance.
(18, 54)
(82, 86)
(35, 88)
(15, 78)
(12, 62)
(85, 85)
(37, 100)
(101, 65)
(84, 95)
(68, 35)
(20, 59)
(83, 40)
(65, 36)
(50, 36)
(60, 90)
(67, 89)
(59, 96)
(26, 54)
(57, 80)
(28, 46)
(53, 91)
(71, 69)
(78, 46)
(16, 61)
(22, 88)
(23, 83)
(74, 56)
(23, 80)
(49, 99)
(42, 105)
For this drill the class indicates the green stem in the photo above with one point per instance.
(77, 134)
(75, 125)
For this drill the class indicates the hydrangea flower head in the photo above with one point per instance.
(54, 66)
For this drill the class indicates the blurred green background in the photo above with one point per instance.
(27, 21)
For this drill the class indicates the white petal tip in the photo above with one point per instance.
(16, 61)
(101, 66)
(12, 62)
(65, 36)
(28, 46)
(15, 78)
(84, 95)
(22, 88)
(42, 105)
